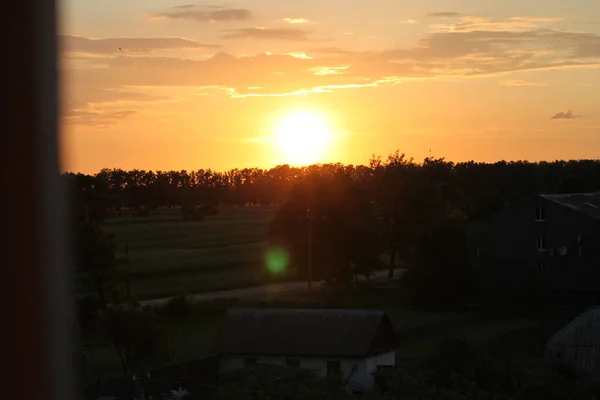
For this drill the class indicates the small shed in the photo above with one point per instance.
(578, 345)
(349, 344)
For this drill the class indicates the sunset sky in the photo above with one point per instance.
(157, 84)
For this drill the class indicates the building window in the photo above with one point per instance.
(333, 368)
(478, 253)
(292, 362)
(249, 362)
(541, 243)
(540, 213)
(579, 238)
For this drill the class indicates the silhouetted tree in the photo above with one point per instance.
(441, 274)
(138, 340)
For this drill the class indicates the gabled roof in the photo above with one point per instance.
(578, 343)
(305, 332)
(587, 204)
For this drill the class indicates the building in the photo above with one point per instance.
(349, 344)
(578, 345)
(550, 242)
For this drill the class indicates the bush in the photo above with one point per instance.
(138, 340)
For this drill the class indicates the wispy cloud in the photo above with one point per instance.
(333, 51)
(295, 20)
(299, 54)
(329, 70)
(470, 23)
(537, 19)
(267, 34)
(409, 21)
(444, 55)
(565, 115)
(97, 117)
(521, 83)
(443, 14)
(205, 14)
(80, 44)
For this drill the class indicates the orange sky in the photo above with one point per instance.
(154, 84)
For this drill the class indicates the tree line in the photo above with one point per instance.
(482, 187)
(338, 219)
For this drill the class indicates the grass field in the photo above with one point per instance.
(170, 256)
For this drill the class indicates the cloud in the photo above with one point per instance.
(206, 14)
(97, 117)
(333, 51)
(267, 34)
(520, 83)
(444, 14)
(470, 23)
(448, 55)
(409, 21)
(80, 44)
(565, 115)
(295, 20)
(537, 19)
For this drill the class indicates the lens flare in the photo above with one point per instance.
(277, 259)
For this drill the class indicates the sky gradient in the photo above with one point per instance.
(156, 84)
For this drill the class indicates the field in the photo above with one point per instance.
(170, 256)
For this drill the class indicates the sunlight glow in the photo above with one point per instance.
(302, 137)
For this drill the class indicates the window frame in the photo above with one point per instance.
(540, 213)
(541, 244)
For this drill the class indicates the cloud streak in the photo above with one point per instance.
(202, 14)
(267, 34)
(80, 44)
(439, 55)
(295, 20)
(520, 83)
(443, 14)
(565, 115)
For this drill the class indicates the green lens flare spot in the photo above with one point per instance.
(277, 259)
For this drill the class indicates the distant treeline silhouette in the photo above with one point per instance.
(481, 187)
(340, 219)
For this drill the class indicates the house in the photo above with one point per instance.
(549, 242)
(349, 344)
(578, 345)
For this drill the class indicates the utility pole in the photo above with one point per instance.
(127, 278)
(310, 221)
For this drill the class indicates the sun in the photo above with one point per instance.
(302, 137)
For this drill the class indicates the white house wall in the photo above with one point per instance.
(388, 358)
(363, 376)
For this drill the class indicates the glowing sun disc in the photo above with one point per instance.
(302, 137)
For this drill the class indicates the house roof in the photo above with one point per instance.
(578, 343)
(587, 204)
(305, 332)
